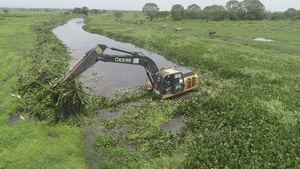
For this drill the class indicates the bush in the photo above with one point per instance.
(118, 14)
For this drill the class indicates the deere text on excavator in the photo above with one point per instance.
(165, 83)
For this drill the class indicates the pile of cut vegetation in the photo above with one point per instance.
(48, 62)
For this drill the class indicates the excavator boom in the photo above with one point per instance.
(85, 62)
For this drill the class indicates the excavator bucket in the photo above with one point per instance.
(85, 62)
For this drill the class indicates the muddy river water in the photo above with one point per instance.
(106, 78)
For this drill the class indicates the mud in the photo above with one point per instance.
(109, 115)
(17, 118)
(174, 126)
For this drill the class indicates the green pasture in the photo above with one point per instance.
(285, 33)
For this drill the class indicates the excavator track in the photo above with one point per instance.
(176, 99)
(183, 98)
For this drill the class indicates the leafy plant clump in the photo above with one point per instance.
(48, 63)
(227, 138)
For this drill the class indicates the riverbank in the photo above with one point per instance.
(26, 143)
(250, 114)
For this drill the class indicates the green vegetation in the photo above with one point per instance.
(249, 112)
(31, 144)
(177, 12)
(214, 12)
(84, 10)
(253, 9)
(246, 114)
(151, 10)
(49, 61)
(233, 10)
(118, 14)
(5, 11)
(193, 11)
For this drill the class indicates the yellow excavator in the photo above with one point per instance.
(165, 83)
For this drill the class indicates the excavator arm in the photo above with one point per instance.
(96, 54)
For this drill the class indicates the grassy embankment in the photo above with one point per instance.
(250, 115)
(32, 144)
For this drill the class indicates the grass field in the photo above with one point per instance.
(285, 33)
(30, 144)
(249, 114)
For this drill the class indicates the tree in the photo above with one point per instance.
(254, 9)
(151, 10)
(214, 12)
(276, 16)
(193, 11)
(234, 9)
(297, 15)
(177, 12)
(163, 14)
(77, 10)
(6, 11)
(85, 10)
(118, 14)
(290, 13)
(95, 11)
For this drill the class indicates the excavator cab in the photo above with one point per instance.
(168, 82)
